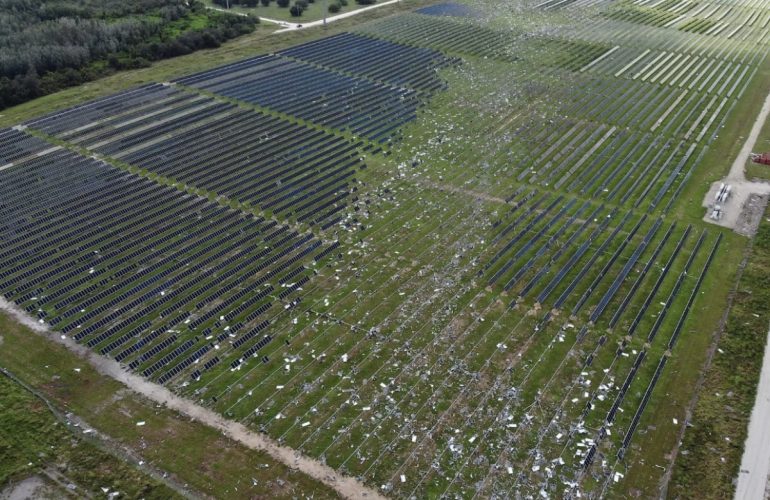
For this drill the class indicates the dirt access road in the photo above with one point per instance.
(346, 486)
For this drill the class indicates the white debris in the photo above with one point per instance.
(140, 423)
(305, 424)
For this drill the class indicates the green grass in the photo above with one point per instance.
(35, 442)
(192, 453)
(674, 391)
(195, 21)
(756, 170)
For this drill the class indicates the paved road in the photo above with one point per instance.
(287, 26)
(755, 465)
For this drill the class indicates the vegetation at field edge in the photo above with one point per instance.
(33, 441)
(711, 452)
(192, 453)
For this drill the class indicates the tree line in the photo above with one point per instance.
(47, 46)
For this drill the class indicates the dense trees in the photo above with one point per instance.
(46, 46)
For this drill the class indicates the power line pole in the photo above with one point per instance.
(325, 11)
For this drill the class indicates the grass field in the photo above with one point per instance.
(200, 459)
(517, 293)
(36, 442)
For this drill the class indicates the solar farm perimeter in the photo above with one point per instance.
(451, 252)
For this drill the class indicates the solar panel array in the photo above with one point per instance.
(332, 99)
(293, 170)
(136, 269)
(468, 37)
(379, 60)
(448, 9)
(441, 33)
(571, 274)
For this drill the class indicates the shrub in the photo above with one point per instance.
(282, 3)
(265, 3)
(335, 7)
(296, 10)
(366, 2)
